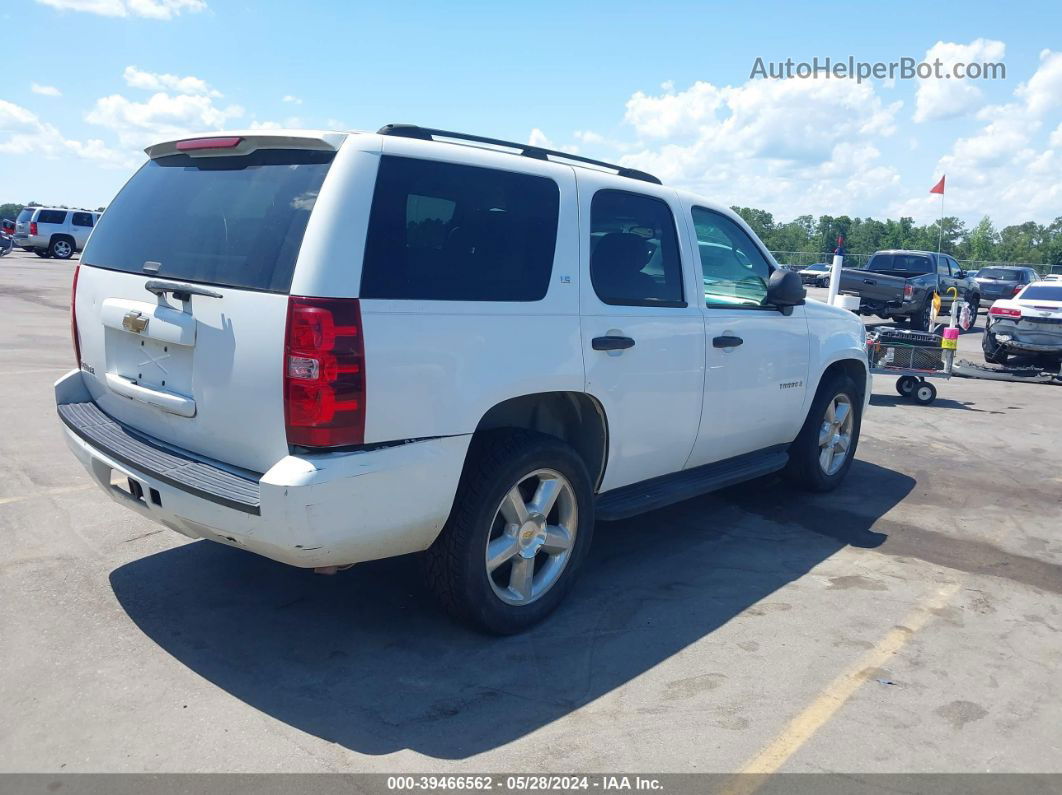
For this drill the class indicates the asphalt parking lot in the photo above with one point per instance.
(909, 622)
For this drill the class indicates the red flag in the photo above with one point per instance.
(939, 187)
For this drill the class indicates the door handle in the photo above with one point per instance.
(726, 342)
(611, 343)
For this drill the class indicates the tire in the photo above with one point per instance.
(805, 466)
(456, 566)
(61, 248)
(975, 305)
(994, 353)
(924, 394)
(905, 385)
(43, 253)
(920, 319)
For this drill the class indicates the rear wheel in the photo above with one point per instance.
(61, 248)
(822, 454)
(905, 385)
(920, 319)
(520, 527)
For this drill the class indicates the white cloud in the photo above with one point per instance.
(539, 138)
(1003, 170)
(291, 99)
(1043, 91)
(290, 123)
(944, 98)
(153, 81)
(151, 9)
(47, 91)
(22, 132)
(789, 146)
(162, 116)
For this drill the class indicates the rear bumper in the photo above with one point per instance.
(307, 511)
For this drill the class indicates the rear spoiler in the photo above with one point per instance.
(243, 142)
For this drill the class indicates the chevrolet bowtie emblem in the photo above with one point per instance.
(135, 321)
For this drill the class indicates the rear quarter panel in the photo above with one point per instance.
(434, 368)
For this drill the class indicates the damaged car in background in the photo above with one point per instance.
(1029, 324)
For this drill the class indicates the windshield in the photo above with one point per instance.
(998, 273)
(908, 263)
(235, 221)
(1042, 292)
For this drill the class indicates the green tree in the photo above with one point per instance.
(983, 240)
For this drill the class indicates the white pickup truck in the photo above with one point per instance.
(329, 348)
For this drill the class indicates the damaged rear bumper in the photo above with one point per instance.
(306, 510)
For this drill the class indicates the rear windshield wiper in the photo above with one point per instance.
(182, 292)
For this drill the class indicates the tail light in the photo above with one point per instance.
(1017, 288)
(1004, 312)
(908, 292)
(33, 228)
(73, 318)
(324, 372)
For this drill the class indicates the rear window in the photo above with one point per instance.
(910, 263)
(998, 273)
(51, 217)
(25, 215)
(235, 221)
(1042, 292)
(449, 232)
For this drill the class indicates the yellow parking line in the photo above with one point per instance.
(801, 728)
(45, 493)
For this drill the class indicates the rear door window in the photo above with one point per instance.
(230, 220)
(51, 217)
(634, 253)
(449, 232)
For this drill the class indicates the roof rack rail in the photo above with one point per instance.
(527, 150)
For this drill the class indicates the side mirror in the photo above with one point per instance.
(962, 273)
(785, 290)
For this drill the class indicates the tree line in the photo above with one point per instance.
(1028, 243)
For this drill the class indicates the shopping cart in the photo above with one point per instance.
(915, 356)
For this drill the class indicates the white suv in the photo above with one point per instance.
(54, 232)
(329, 348)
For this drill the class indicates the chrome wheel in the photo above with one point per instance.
(531, 537)
(61, 249)
(835, 434)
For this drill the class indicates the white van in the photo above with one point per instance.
(329, 348)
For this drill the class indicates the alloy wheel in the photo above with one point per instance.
(531, 537)
(835, 434)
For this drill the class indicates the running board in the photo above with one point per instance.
(660, 492)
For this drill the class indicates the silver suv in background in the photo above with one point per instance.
(52, 231)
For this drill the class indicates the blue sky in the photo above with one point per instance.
(663, 86)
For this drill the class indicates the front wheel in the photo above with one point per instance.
(924, 394)
(520, 527)
(822, 454)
